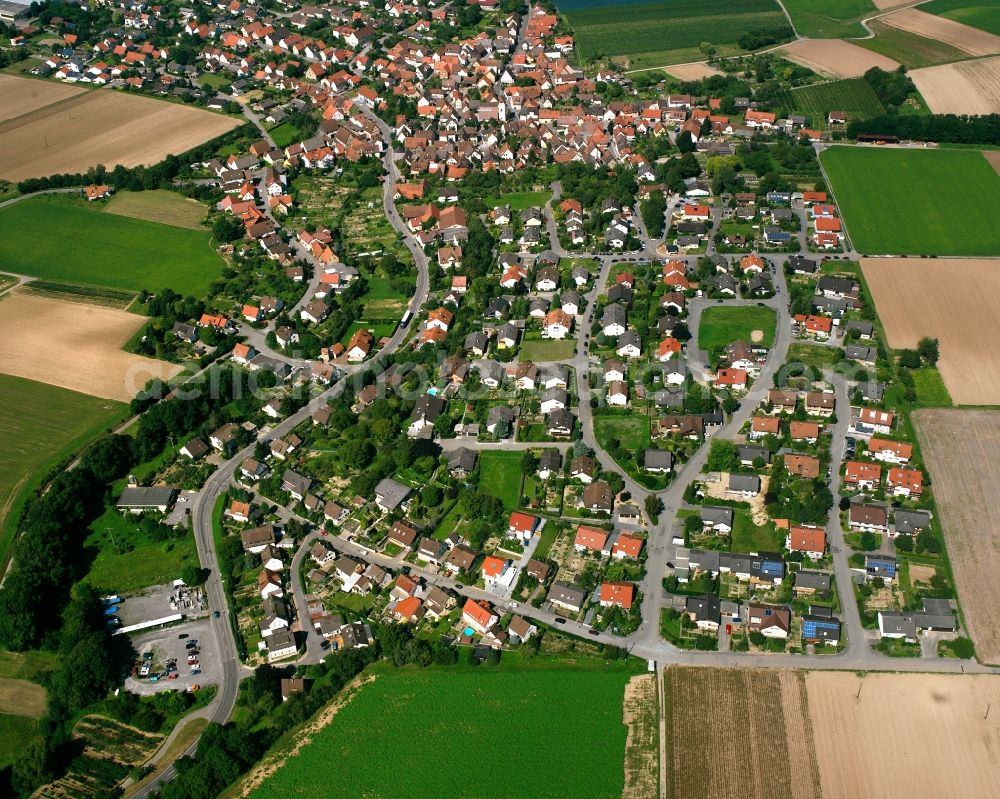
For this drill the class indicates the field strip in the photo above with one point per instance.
(22, 96)
(74, 345)
(960, 448)
(967, 39)
(835, 57)
(963, 87)
(640, 714)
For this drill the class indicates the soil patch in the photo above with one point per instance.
(20, 96)
(640, 713)
(966, 87)
(75, 346)
(836, 58)
(967, 39)
(691, 71)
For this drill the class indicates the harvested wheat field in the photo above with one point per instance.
(906, 736)
(835, 57)
(102, 127)
(22, 95)
(75, 346)
(960, 450)
(21, 698)
(966, 87)
(953, 300)
(728, 737)
(691, 71)
(967, 39)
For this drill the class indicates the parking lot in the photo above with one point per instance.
(160, 601)
(166, 645)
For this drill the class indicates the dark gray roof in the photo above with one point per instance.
(744, 482)
(391, 493)
(750, 452)
(142, 497)
(462, 458)
(911, 521)
(817, 581)
(704, 608)
(567, 594)
(711, 514)
(658, 459)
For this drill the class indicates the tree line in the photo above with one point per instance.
(946, 128)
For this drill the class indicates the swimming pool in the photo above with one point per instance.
(468, 631)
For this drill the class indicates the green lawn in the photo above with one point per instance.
(128, 559)
(520, 200)
(916, 202)
(829, 19)
(631, 431)
(605, 28)
(500, 476)
(931, 390)
(543, 350)
(722, 324)
(428, 730)
(814, 355)
(286, 133)
(40, 425)
(748, 537)
(27, 665)
(58, 238)
(982, 14)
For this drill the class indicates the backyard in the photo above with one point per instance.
(500, 476)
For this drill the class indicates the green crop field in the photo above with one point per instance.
(722, 325)
(829, 19)
(41, 424)
(854, 96)
(539, 349)
(425, 734)
(500, 476)
(916, 202)
(982, 14)
(605, 28)
(58, 238)
(930, 388)
(907, 48)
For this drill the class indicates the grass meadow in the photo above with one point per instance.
(916, 202)
(658, 29)
(722, 325)
(520, 200)
(907, 48)
(500, 475)
(829, 19)
(41, 425)
(425, 733)
(632, 431)
(61, 239)
(158, 205)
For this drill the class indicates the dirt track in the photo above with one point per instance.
(835, 57)
(966, 87)
(75, 346)
(905, 736)
(953, 300)
(20, 95)
(102, 127)
(960, 449)
(941, 29)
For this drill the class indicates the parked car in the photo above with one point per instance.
(195, 671)
(183, 635)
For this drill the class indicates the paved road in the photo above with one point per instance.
(202, 508)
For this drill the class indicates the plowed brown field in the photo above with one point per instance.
(967, 39)
(836, 58)
(102, 127)
(952, 300)
(966, 87)
(21, 96)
